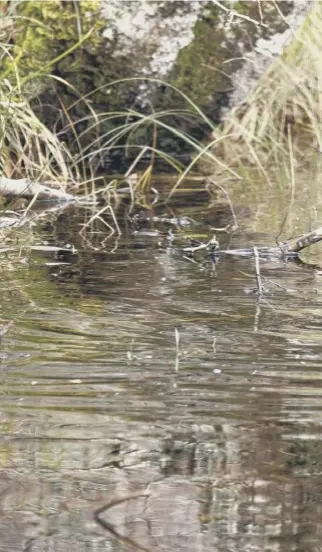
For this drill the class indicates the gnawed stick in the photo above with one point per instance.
(25, 188)
(296, 245)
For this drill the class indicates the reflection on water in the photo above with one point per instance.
(161, 389)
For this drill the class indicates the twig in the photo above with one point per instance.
(260, 11)
(177, 340)
(257, 272)
(233, 13)
(257, 317)
(292, 182)
(212, 244)
(97, 215)
(277, 285)
(190, 259)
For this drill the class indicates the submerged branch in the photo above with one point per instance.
(289, 248)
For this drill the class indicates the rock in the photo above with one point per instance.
(201, 47)
(265, 51)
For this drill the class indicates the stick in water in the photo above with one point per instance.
(258, 274)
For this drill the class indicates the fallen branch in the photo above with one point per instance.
(287, 249)
(25, 188)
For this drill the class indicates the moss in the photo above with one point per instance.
(53, 27)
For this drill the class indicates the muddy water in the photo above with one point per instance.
(136, 379)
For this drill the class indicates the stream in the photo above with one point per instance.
(150, 402)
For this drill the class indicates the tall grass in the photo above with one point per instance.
(28, 147)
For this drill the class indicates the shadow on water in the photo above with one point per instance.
(139, 380)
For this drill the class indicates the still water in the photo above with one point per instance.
(161, 388)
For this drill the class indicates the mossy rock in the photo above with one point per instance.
(53, 27)
(202, 69)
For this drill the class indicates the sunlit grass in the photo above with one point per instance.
(287, 101)
(27, 147)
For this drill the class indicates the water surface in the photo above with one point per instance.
(162, 388)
